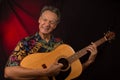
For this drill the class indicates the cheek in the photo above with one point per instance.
(40, 23)
(39, 26)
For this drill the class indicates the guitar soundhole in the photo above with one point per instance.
(64, 62)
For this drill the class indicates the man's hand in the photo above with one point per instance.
(93, 52)
(54, 69)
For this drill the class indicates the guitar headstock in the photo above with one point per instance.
(109, 35)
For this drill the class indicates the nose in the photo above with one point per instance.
(47, 23)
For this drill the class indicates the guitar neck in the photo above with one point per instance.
(83, 51)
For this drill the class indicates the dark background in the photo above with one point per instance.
(83, 22)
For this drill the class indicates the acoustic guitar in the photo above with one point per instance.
(62, 54)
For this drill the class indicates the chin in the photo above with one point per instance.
(46, 33)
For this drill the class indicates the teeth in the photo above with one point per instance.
(46, 28)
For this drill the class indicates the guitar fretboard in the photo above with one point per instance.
(83, 51)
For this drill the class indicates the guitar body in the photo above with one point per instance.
(39, 60)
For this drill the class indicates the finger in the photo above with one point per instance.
(93, 44)
(91, 48)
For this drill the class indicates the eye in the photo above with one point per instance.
(45, 20)
(52, 22)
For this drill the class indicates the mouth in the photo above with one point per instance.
(46, 29)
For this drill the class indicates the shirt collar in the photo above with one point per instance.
(38, 37)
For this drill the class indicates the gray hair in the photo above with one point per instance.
(52, 9)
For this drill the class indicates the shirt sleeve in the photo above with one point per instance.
(17, 55)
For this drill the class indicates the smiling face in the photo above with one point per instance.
(47, 22)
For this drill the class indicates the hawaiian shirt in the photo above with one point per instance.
(30, 45)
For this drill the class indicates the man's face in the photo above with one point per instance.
(47, 22)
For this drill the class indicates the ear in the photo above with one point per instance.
(55, 26)
(39, 19)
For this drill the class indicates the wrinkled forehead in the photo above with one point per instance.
(49, 14)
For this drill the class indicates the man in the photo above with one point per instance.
(42, 41)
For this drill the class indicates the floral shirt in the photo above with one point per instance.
(30, 45)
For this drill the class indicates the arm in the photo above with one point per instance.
(17, 72)
(93, 52)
